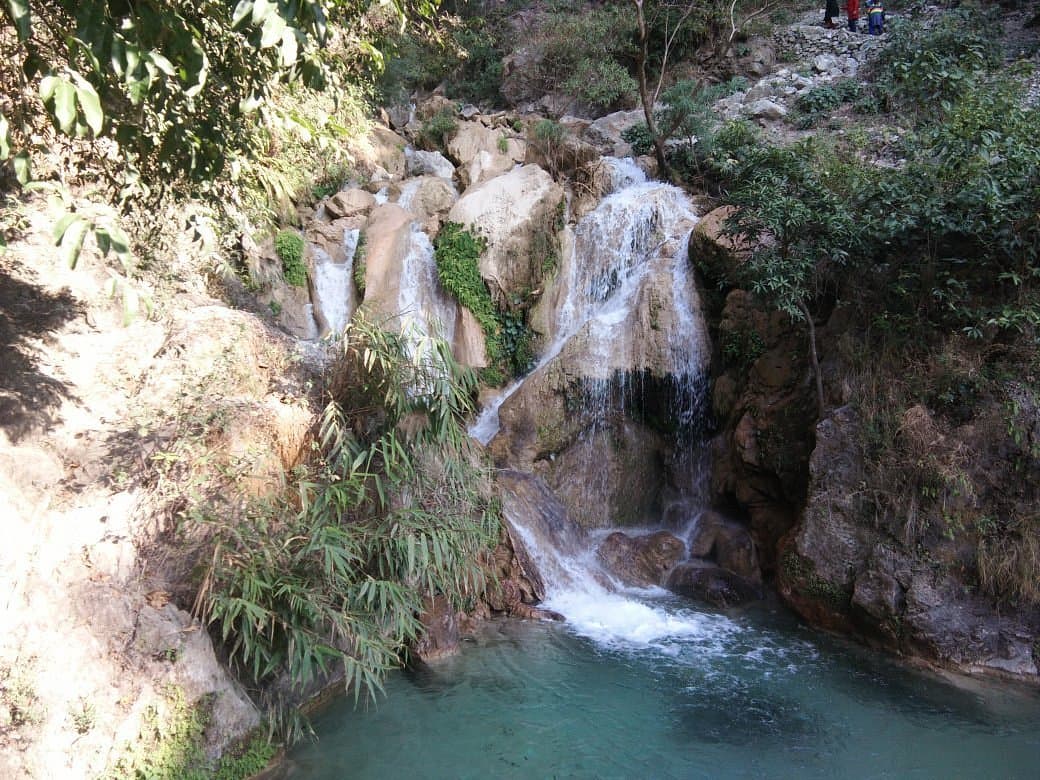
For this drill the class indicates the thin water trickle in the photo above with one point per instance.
(420, 298)
(333, 284)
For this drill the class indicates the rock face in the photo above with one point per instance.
(843, 569)
(483, 153)
(605, 133)
(727, 543)
(640, 561)
(516, 212)
(388, 240)
(764, 401)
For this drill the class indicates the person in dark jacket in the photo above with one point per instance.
(875, 17)
(831, 13)
(852, 11)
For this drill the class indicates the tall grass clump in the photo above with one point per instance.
(394, 508)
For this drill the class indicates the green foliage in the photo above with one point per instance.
(688, 120)
(508, 340)
(360, 266)
(477, 76)
(951, 237)
(289, 246)
(596, 72)
(822, 99)
(742, 347)
(549, 131)
(172, 745)
(790, 208)
(396, 508)
(925, 66)
(457, 254)
(438, 129)
(639, 136)
(18, 696)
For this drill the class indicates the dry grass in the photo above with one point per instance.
(1009, 565)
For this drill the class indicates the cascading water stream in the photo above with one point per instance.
(615, 248)
(640, 230)
(420, 299)
(333, 286)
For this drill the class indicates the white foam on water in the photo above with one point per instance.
(333, 285)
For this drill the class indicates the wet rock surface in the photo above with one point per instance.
(704, 581)
(640, 561)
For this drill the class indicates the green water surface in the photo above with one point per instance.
(753, 695)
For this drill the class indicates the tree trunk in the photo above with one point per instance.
(813, 356)
(644, 94)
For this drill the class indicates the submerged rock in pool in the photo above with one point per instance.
(641, 561)
(712, 584)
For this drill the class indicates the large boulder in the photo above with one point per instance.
(388, 237)
(469, 345)
(483, 153)
(606, 132)
(440, 636)
(427, 196)
(640, 561)
(381, 154)
(704, 581)
(727, 543)
(349, 203)
(716, 253)
(420, 163)
(516, 212)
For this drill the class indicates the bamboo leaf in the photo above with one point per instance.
(91, 105)
(58, 231)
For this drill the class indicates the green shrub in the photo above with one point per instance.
(436, 130)
(395, 507)
(926, 65)
(173, 746)
(289, 246)
(549, 131)
(507, 338)
(822, 99)
(457, 255)
(594, 73)
(638, 135)
(360, 266)
(478, 74)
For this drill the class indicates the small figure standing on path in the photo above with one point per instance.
(831, 13)
(875, 17)
(852, 11)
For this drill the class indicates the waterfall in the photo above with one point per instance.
(420, 298)
(632, 245)
(333, 286)
(640, 229)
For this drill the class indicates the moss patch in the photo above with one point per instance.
(507, 337)
(171, 746)
(289, 246)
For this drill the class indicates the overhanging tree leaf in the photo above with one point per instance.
(22, 167)
(18, 10)
(72, 241)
